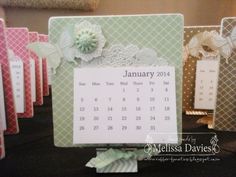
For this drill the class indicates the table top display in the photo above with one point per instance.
(117, 83)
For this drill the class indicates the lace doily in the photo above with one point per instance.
(130, 55)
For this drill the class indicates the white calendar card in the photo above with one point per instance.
(206, 84)
(2, 104)
(17, 76)
(33, 81)
(124, 105)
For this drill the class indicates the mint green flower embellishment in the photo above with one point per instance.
(86, 41)
(89, 41)
(83, 41)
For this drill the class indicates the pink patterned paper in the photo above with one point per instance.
(18, 39)
(12, 122)
(44, 38)
(34, 37)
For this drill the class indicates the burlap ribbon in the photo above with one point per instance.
(86, 5)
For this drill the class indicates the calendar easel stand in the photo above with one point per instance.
(119, 166)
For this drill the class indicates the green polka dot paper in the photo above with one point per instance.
(163, 33)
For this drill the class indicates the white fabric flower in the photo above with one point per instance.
(195, 45)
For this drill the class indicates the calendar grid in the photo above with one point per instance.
(121, 109)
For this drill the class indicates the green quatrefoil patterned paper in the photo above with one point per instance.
(162, 33)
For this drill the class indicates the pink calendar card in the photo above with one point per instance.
(18, 39)
(11, 116)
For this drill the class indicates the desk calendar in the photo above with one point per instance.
(190, 64)
(18, 39)
(124, 105)
(140, 43)
(225, 114)
(11, 117)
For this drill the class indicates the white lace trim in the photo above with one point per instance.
(130, 55)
